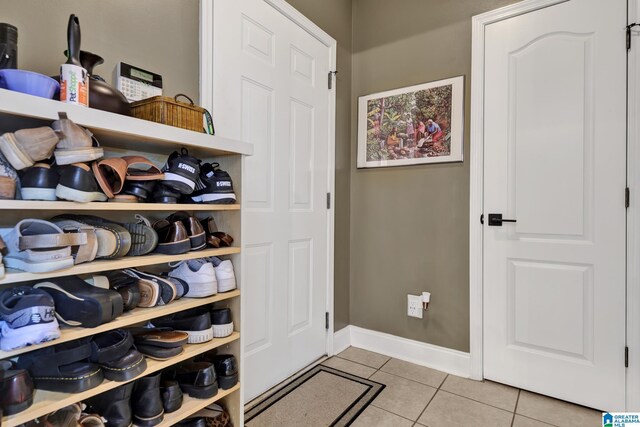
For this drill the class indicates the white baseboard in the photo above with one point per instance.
(342, 340)
(432, 356)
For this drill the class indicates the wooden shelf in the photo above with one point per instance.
(18, 110)
(190, 406)
(49, 401)
(37, 205)
(129, 318)
(15, 276)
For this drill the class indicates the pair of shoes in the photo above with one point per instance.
(27, 316)
(213, 186)
(74, 182)
(205, 276)
(159, 344)
(199, 323)
(139, 402)
(196, 379)
(114, 351)
(215, 238)
(137, 172)
(16, 389)
(226, 367)
(179, 233)
(77, 303)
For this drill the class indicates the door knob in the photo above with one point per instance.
(495, 220)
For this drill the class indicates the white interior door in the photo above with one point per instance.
(270, 89)
(555, 155)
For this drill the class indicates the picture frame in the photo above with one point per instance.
(419, 124)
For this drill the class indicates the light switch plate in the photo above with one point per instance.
(414, 306)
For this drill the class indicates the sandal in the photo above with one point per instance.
(80, 253)
(117, 356)
(63, 367)
(215, 238)
(39, 246)
(80, 304)
(114, 241)
(137, 172)
(110, 174)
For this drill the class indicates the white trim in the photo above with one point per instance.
(341, 340)
(479, 22)
(206, 61)
(432, 356)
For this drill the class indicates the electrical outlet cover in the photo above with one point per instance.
(414, 306)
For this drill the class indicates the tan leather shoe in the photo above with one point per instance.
(76, 143)
(25, 147)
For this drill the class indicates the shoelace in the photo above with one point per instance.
(142, 220)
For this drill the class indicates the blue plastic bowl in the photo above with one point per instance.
(28, 82)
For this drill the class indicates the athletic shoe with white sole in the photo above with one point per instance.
(181, 172)
(221, 322)
(199, 274)
(224, 274)
(28, 316)
(213, 186)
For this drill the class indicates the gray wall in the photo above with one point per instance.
(334, 17)
(409, 225)
(158, 35)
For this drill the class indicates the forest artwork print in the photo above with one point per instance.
(414, 125)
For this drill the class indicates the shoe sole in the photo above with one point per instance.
(203, 392)
(125, 374)
(226, 285)
(222, 331)
(17, 407)
(144, 239)
(80, 155)
(179, 183)
(150, 421)
(32, 193)
(199, 337)
(213, 198)
(174, 248)
(70, 384)
(9, 147)
(198, 241)
(66, 193)
(149, 293)
(167, 289)
(38, 267)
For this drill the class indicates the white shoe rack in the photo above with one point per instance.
(121, 135)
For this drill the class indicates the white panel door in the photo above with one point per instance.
(555, 155)
(270, 89)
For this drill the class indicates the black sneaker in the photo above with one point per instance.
(214, 186)
(181, 172)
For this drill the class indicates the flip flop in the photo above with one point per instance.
(136, 170)
(110, 174)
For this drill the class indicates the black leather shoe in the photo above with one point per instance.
(39, 182)
(226, 368)
(171, 396)
(117, 356)
(146, 401)
(197, 379)
(163, 194)
(196, 322)
(126, 286)
(78, 184)
(140, 189)
(114, 405)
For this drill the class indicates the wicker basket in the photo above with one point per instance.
(170, 111)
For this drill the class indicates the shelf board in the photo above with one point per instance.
(129, 318)
(45, 401)
(19, 110)
(33, 205)
(15, 276)
(190, 406)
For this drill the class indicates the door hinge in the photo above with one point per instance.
(328, 200)
(326, 320)
(331, 75)
(626, 357)
(629, 27)
(626, 197)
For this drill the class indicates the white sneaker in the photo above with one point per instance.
(224, 274)
(199, 274)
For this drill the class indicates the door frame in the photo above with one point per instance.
(206, 100)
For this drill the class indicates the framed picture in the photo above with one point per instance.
(414, 125)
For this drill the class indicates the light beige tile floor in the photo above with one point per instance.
(416, 396)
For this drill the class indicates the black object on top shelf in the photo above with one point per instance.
(8, 46)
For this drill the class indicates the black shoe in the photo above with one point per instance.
(146, 401)
(39, 182)
(127, 286)
(197, 379)
(171, 396)
(196, 322)
(114, 405)
(141, 189)
(214, 186)
(164, 194)
(117, 356)
(78, 184)
(226, 368)
(181, 172)
(221, 322)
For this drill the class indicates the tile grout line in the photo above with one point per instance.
(361, 364)
(477, 401)
(393, 413)
(432, 397)
(515, 408)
